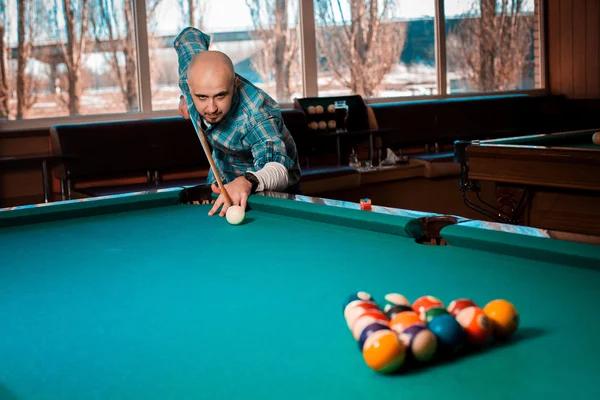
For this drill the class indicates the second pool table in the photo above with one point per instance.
(138, 296)
(549, 181)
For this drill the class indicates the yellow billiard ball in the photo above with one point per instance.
(596, 138)
(504, 317)
(383, 351)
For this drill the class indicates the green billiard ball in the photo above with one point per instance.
(432, 313)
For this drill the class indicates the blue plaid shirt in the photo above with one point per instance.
(251, 134)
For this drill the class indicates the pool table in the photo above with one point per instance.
(143, 296)
(549, 181)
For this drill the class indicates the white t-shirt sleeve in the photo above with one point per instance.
(272, 177)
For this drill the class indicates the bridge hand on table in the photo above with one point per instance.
(239, 190)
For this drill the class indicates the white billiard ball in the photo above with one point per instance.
(235, 215)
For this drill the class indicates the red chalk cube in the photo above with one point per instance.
(365, 204)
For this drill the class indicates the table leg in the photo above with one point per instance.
(371, 148)
(45, 180)
(63, 193)
(339, 151)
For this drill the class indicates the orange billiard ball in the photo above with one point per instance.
(404, 320)
(476, 324)
(383, 351)
(504, 317)
(596, 138)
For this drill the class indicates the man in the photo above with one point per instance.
(251, 147)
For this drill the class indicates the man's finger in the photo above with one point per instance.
(215, 189)
(218, 204)
(243, 201)
(224, 209)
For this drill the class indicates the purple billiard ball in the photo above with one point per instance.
(370, 329)
(420, 341)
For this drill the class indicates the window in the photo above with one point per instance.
(261, 37)
(383, 48)
(65, 58)
(78, 60)
(490, 45)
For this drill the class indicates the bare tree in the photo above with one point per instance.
(278, 58)
(117, 31)
(360, 41)
(191, 8)
(4, 87)
(491, 44)
(23, 51)
(75, 14)
(28, 27)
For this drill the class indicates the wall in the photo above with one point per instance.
(573, 43)
(24, 181)
(573, 69)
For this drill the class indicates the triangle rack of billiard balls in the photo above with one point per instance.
(401, 334)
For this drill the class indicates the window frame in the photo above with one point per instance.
(309, 72)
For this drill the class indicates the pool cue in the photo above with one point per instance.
(211, 161)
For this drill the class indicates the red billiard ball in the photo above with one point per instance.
(458, 305)
(476, 324)
(355, 312)
(424, 303)
(367, 319)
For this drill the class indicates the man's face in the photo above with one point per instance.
(212, 94)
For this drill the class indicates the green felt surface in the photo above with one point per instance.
(167, 303)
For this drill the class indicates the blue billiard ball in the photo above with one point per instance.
(357, 298)
(450, 334)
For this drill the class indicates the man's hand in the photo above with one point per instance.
(239, 190)
(183, 110)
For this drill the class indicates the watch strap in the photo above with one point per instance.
(253, 180)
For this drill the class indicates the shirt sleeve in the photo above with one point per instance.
(267, 144)
(187, 44)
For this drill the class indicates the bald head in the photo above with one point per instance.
(211, 79)
(211, 66)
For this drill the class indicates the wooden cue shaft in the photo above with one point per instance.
(211, 162)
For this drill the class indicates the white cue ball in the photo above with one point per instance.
(235, 215)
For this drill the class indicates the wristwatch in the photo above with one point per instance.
(253, 180)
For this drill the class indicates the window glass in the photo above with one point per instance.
(490, 45)
(65, 58)
(383, 48)
(261, 37)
